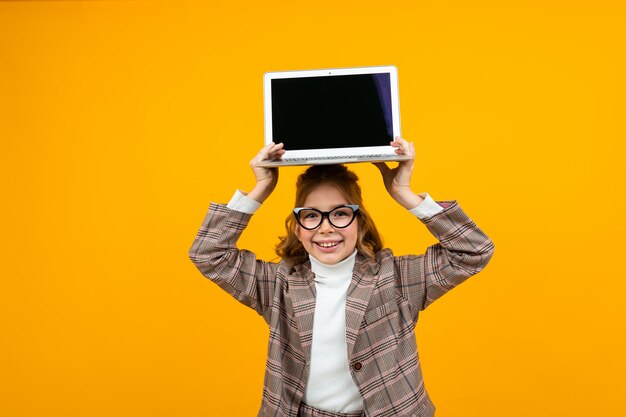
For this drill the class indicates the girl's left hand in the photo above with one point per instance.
(398, 180)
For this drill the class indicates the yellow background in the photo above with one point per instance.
(121, 120)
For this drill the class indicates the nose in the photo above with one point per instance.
(326, 226)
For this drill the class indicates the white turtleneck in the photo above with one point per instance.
(330, 385)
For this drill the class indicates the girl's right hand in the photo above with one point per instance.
(266, 178)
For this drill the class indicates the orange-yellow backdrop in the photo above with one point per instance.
(121, 120)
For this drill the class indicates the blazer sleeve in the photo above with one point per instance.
(238, 272)
(463, 250)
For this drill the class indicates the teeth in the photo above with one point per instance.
(328, 244)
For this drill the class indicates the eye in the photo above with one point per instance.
(309, 214)
(342, 212)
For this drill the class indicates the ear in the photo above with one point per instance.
(297, 232)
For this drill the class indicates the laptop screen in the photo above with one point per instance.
(341, 111)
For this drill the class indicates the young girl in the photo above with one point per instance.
(341, 309)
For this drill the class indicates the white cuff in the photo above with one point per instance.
(427, 208)
(243, 203)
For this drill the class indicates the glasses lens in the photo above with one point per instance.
(341, 216)
(309, 218)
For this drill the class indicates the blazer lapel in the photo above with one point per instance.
(302, 294)
(359, 294)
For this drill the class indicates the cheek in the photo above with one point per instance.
(354, 235)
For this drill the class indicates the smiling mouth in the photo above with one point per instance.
(327, 244)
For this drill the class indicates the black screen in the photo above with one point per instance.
(343, 111)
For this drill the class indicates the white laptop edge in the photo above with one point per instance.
(334, 152)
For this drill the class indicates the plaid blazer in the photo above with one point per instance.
(382, 307)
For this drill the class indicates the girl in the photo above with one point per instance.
(341, 309)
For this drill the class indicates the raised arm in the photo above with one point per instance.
(463, 250)
(214, 250)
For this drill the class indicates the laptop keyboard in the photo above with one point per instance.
(325, 158)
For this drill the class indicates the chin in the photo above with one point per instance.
(331, 258)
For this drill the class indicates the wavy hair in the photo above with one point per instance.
(369, 240)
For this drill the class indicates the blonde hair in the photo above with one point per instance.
(369, 240)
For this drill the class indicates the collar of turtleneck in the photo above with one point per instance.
(333, 275)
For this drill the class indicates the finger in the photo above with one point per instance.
(276, 151)
(401, 145)
(266, 152)
(404, 145)
(409, 151)
(277, 155)
(277, 146)
(267, 147)
(401, 141)
(398, 150)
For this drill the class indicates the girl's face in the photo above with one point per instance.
(326, 243)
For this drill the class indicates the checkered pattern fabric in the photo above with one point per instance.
(382, 308)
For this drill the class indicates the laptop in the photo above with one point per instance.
(332, 116)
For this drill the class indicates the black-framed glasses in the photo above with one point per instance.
(339, 217)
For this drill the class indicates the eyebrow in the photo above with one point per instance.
(332, 207)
